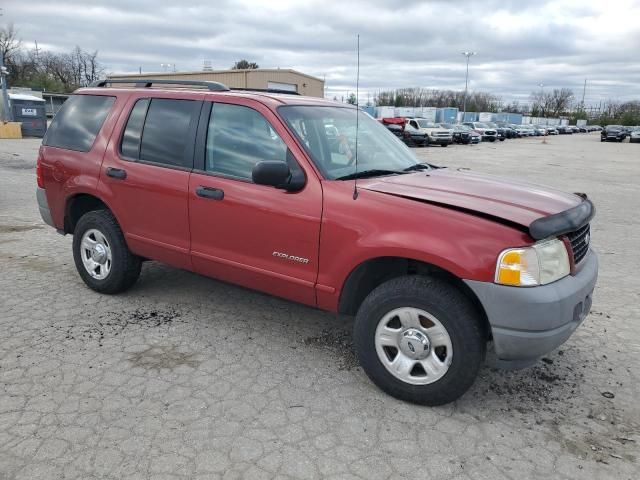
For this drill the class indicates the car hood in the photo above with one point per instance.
(510, 200)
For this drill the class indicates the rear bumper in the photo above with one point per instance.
(528, 323)
(43, 206)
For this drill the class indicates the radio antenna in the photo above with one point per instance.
(355, 181)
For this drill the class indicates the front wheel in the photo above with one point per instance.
(101, 254)
(419, 339)
(444, 144)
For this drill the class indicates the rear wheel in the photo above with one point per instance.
(420, 340)
(101, 254)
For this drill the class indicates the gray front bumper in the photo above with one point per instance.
(528, 323)
(43, 206)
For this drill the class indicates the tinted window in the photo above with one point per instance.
(78, 122)
(166, 132)
(130, 146)
(239, 137)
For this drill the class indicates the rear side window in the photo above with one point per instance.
(161, 131)
(78, 122)
(130, 146)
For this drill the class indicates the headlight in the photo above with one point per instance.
(540, 264)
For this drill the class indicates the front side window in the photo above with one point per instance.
(78, 122)
(426, 124)
(378, 148)
(238, 137)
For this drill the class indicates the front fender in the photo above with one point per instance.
(379, 225)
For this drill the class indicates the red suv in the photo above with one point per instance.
(316, 202)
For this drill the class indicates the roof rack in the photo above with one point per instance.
(149, 82)
(266, 90)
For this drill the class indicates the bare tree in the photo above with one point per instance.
(560, 101)
(9, 42)
(422, 97)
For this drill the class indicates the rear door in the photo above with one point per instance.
(253, 235)
(145, 175)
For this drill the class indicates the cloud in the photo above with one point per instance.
(403, 43)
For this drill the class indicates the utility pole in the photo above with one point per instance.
(37, 51)
(466, 83)
(584, 90)
(6, 111)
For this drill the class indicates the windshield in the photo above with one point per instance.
(334, 155)
(481, 125)
(426, 124)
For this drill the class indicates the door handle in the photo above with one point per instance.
(117, 173)
(208, 192)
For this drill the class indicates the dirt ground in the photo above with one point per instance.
(187, 377)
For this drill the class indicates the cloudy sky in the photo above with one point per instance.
(519, 44)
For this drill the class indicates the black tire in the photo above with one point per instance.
(125, 266)
(602, 140)
(454, 311)
(444, 144)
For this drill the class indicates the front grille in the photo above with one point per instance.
(580, 240)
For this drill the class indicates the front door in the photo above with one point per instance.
(253, 235)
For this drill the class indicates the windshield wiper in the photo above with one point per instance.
(418, 166)
(370, 173)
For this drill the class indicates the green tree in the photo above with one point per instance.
(352, 99)
(244, 65)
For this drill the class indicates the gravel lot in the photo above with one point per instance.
(186, 377)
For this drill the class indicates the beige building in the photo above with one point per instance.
(259, 78)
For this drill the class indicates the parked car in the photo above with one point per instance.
(583, 129)
(500, 130)
(459, 136)
(488, 134)
(539, 130)
(437, 135)
(574, 128)
(527, 131)
(252, 189)
(634, 136)
(415, 137)
(552, 130)
(613, 133)
(462, 134)
(409, 135)
(518, 129)
(565, 130)
(509, 130)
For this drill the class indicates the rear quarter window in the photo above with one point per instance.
(78, 122)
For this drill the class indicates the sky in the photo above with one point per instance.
(519, 44)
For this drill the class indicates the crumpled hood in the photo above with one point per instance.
(514, 201)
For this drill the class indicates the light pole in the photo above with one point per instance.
(542, 109)
(466, 83)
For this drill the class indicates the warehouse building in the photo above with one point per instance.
(259, 78)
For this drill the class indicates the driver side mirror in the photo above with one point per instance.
(276, 174)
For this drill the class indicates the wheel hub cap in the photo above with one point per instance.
(415, 344)
(99, 254)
